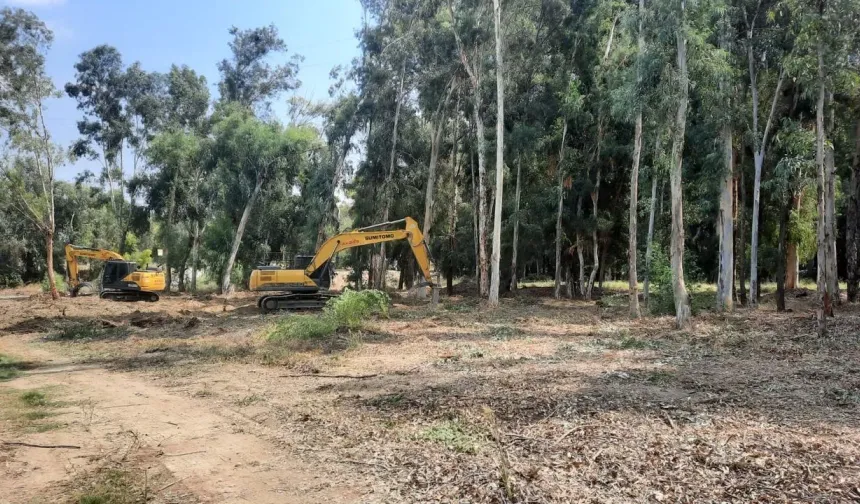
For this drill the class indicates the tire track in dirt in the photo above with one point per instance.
(212, 453)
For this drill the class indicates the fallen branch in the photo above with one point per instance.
(317, 375)
(183, 454)
(29, 445)
(571, 431)
(165, 487)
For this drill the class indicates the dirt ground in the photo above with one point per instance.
(541, 400)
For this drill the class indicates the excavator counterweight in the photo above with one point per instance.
(308, 288)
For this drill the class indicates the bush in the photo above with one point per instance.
(347, 311)
(58, 279)
(350, 309)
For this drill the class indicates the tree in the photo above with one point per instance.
(34, 157)
(500, 149)
(760, 138)
(632, 229)
(247, 78)
(251, 154)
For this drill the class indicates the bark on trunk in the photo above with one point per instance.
(195, 247)
(558, 217)
(452, 224)
(784, 213)
(830, 208)
(49, 259)
(852, 252)
(741, 254)
(580, 253)
(649, 243)
(482, 199)
(726, 227)
(500, 162)
(169, 262)
(595, 243)
(682, 302)
(825, 227)
(226, 285)
(633, 278)
(516, 240)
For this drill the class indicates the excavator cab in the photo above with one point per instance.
(121, 280)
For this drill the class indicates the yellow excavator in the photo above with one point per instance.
(308, 288)
(121, 279)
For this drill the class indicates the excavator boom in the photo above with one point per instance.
(306, 288)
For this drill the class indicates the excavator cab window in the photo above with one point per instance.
(301, 261)
(117, 270)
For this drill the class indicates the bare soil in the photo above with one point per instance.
(540, 400)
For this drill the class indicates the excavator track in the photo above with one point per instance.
(294, 302)
(129, 296)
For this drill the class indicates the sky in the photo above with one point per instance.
(159, 33)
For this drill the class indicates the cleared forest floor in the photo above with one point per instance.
(538, 401)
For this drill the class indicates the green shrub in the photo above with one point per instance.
(34, 398)
(347, 311)
(305, 327)
(453, 435)
(9, 367)
(58, 279)
(352, 308)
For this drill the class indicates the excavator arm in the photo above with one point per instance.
(73, 252)
(368, 236)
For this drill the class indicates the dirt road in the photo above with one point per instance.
(119, 417)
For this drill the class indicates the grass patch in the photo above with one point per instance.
(112, 486)
(453, 435)
(26, 411)
(9, 367)
(345, 313)
(249, 400)
(658, 377)
(504, 332)
(87, 331)
(632, 343)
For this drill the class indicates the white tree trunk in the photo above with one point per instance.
(632, 228)
(195, 247)
(500, 162)
(579, 251)
(594, 241)
(558, 221)
(516, 241)
(649, 242)
(381, 263)
(226, 285)
(682, 300)
(725, 280)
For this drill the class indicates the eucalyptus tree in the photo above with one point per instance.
(247, 78)
(761, 18)
(29, 171)
(500, 149)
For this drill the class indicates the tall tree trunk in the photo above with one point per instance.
(49, 259)
(852, 252)
(171, 211)
(226, 285)
(381, 262)
(435, 140)
(579, 251)
(195, 247)
(682, 300)
(516, 242)
(475, 239)
(500, 162)
(649, 242)
(558, 218)
(482, 199)
(784, 214)
(830, 208)
(825, 226)
(741, 253)
(632, 230)
(452, 223)
(726, 226)
(595, 243)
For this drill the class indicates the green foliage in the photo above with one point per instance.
(661, 298)
(9, 367)
(34, 398)
(59, 280)
(453, 435)
(352, 308)
(349, 311)
(87, 331)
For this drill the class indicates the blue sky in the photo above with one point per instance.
(159, 33)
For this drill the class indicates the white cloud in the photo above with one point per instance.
(34, 3)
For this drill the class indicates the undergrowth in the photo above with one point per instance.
(347, 312)
(453, 435)
(9, 367)
(87, 331)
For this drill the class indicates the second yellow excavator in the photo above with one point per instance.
(308, 288)
(121, 280)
